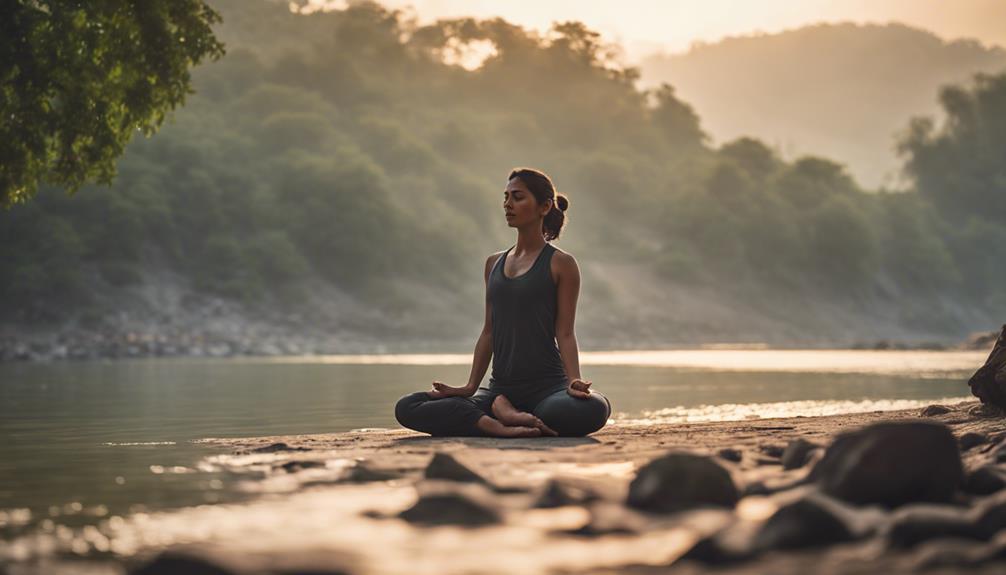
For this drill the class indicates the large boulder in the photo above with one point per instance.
(892, 463)
(989, 383)
(681, 480)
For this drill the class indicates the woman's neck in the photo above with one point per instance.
(529, 240)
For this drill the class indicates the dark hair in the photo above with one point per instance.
(542, 189)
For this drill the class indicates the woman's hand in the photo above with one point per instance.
(441, 390)
(579, 388)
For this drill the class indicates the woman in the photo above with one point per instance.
(531, 291)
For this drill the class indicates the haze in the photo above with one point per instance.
(646, 26)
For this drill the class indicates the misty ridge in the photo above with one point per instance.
(333, 175)
(843, 91)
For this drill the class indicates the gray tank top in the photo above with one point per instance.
(523, 316)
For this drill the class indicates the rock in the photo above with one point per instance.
(934, 410)
(363, 473)
(775, 451)
(557, 493)
(453, 507)
(892, 463)
(985, 480)
(176, 562)
(729, 454)
(913, 524)
(610, 518)
(295, 466)
(988, 384)
(796, 453)
(971, 439)
(990, 514)
(732, 544)
(680, 480)
(276, 448)
(815, 520)
(986, 410)
(445, 466)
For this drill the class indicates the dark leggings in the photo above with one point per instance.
(457, 416)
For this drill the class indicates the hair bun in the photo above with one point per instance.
(562, 201)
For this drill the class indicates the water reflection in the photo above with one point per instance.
(93, 434)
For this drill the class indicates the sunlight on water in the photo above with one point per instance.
(915, 363)
(740, 412)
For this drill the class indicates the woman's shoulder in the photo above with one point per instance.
(491, 262)
(562, 263)
(562, 257)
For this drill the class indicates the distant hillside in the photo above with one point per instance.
(335, 184)
(840, 91)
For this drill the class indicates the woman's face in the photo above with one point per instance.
(520, 206)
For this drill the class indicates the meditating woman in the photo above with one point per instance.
(531, 291)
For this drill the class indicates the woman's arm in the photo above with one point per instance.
(567, 274)
(483, 350)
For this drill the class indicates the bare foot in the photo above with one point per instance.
(494, 428)
(507, 414)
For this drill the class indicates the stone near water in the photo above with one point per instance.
(680, 480)
(892, 463)
(176, 562)
(796, 453)
(452, 507)
(989, 383)
(558, 493)
(445, 466)
(729, 454)
(934, 410)
(914, 524)
(972, 439)
(815, 520)
(277, 448)
(985, 480)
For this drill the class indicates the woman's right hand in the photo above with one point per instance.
(441, 390)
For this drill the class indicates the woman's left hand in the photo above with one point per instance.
(579, 388)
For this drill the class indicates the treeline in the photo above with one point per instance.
(340, 147)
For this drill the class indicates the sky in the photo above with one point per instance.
(647, 26)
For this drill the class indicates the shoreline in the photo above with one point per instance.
(238, 341)
(336, 495)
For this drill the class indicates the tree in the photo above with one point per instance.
(961, 167)
(78, 79)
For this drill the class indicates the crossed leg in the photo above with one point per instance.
(509, 415)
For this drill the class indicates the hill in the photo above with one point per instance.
(837, 90)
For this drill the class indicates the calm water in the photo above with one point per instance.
(81, 441)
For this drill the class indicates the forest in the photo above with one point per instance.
(349, 151)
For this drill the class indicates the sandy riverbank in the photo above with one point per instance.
(331, 504)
